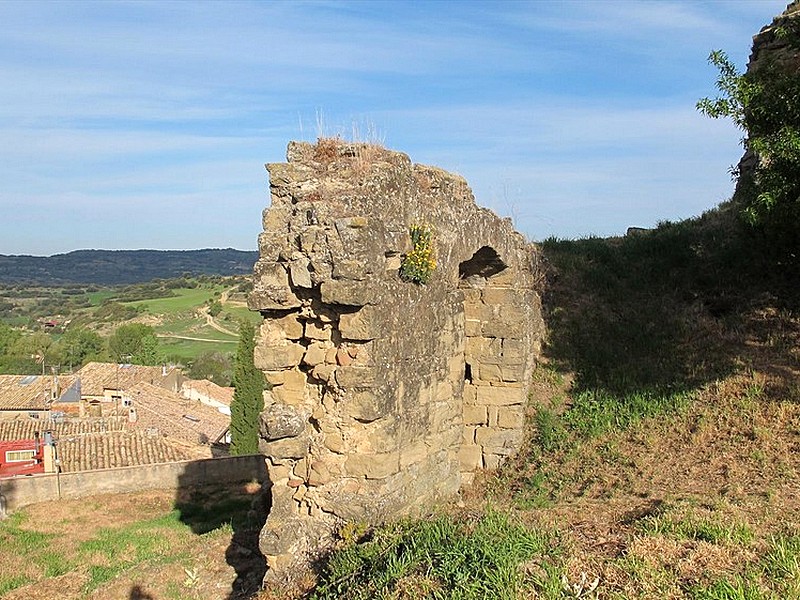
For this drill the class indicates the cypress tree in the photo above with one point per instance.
(248, 398)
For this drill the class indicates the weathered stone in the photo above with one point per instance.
(470, 458)
(353, 377)
(360, 325)
(281, 421)
(372, 466)
(281, 356)
(315, 355)
(475, 415)
(500, 395)
(365, 406)
(396, 381)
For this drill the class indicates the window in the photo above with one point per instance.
(20, 455)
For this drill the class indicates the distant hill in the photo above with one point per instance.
(112, 267)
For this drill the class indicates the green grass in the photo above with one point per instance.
(183, 300)
(444, 557)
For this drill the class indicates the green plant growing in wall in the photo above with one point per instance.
(419, 264)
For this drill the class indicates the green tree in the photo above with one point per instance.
(134, 342)
(765, 104)
(80, 345)
(214, 366)
(248, 396)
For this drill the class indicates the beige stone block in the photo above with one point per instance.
(511, 417)
(299, 273)
(475, 415)
(343, 357)
(501, 295)
(500, 395)
(393, 263)
(488, 372)
(468, 435)
(323, 372)
(470, 394)
(280, 356)
(493, 411)
(365, 406)
(335, 442)
(514, 351)
(315, 354)
(316, 330)
(353, 377)
(361, 325)
(492, 461)
(292, 447)
(472, 328)
(330, 356)
(512, 373)
(413, 454)
(275, 377)
(293, 389)
(373, 466)
(495, 438)
(470, 458)
(346, 292)
(319, 473)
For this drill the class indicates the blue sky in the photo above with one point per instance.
(129, 125)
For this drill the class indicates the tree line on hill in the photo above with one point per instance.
(115, 267)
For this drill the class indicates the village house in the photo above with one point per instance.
(39, 396)
(209, 393)
(103, 384)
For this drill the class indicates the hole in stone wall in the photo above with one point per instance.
(467, 372)
(484, 263)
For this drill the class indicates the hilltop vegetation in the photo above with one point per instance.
(116, 267)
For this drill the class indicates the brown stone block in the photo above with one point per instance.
(474, 415)
(495, 438)
(315, 354)
(500, 395)
(281, 356)
(316, 330)
(373, 466)
(511, 417)
(489, 372)
(365, 406)
(347, 293)
(291, 447)
(470, 458)
(361, 325)
(353, 377)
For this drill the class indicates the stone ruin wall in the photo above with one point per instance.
(386, 395)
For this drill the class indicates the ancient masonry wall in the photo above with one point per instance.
(387, 395)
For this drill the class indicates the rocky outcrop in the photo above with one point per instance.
(387, 393)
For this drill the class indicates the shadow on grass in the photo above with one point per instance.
(206, 506)
(661, 312)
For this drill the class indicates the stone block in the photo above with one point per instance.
(373, 466)
(353, 377)
(318, 474)
(475, 415)
(512, 373)
(280, 356)
(511, 417)
(488, 372)
(495, 438)
(500, 395)
(318, 331)
(470, 394)
(334, 441)
(413, 454)
(275, 377)
(293, 389)
(468, 434)
(365, 406)
(290, 447)
(347, 293)
(361, 325)
(514, 351)
(299, 273)
(315, 354)
(470, 458)
(323, 372)
(280, 421)
(492, 461)
(501, 295)
(472, 328)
